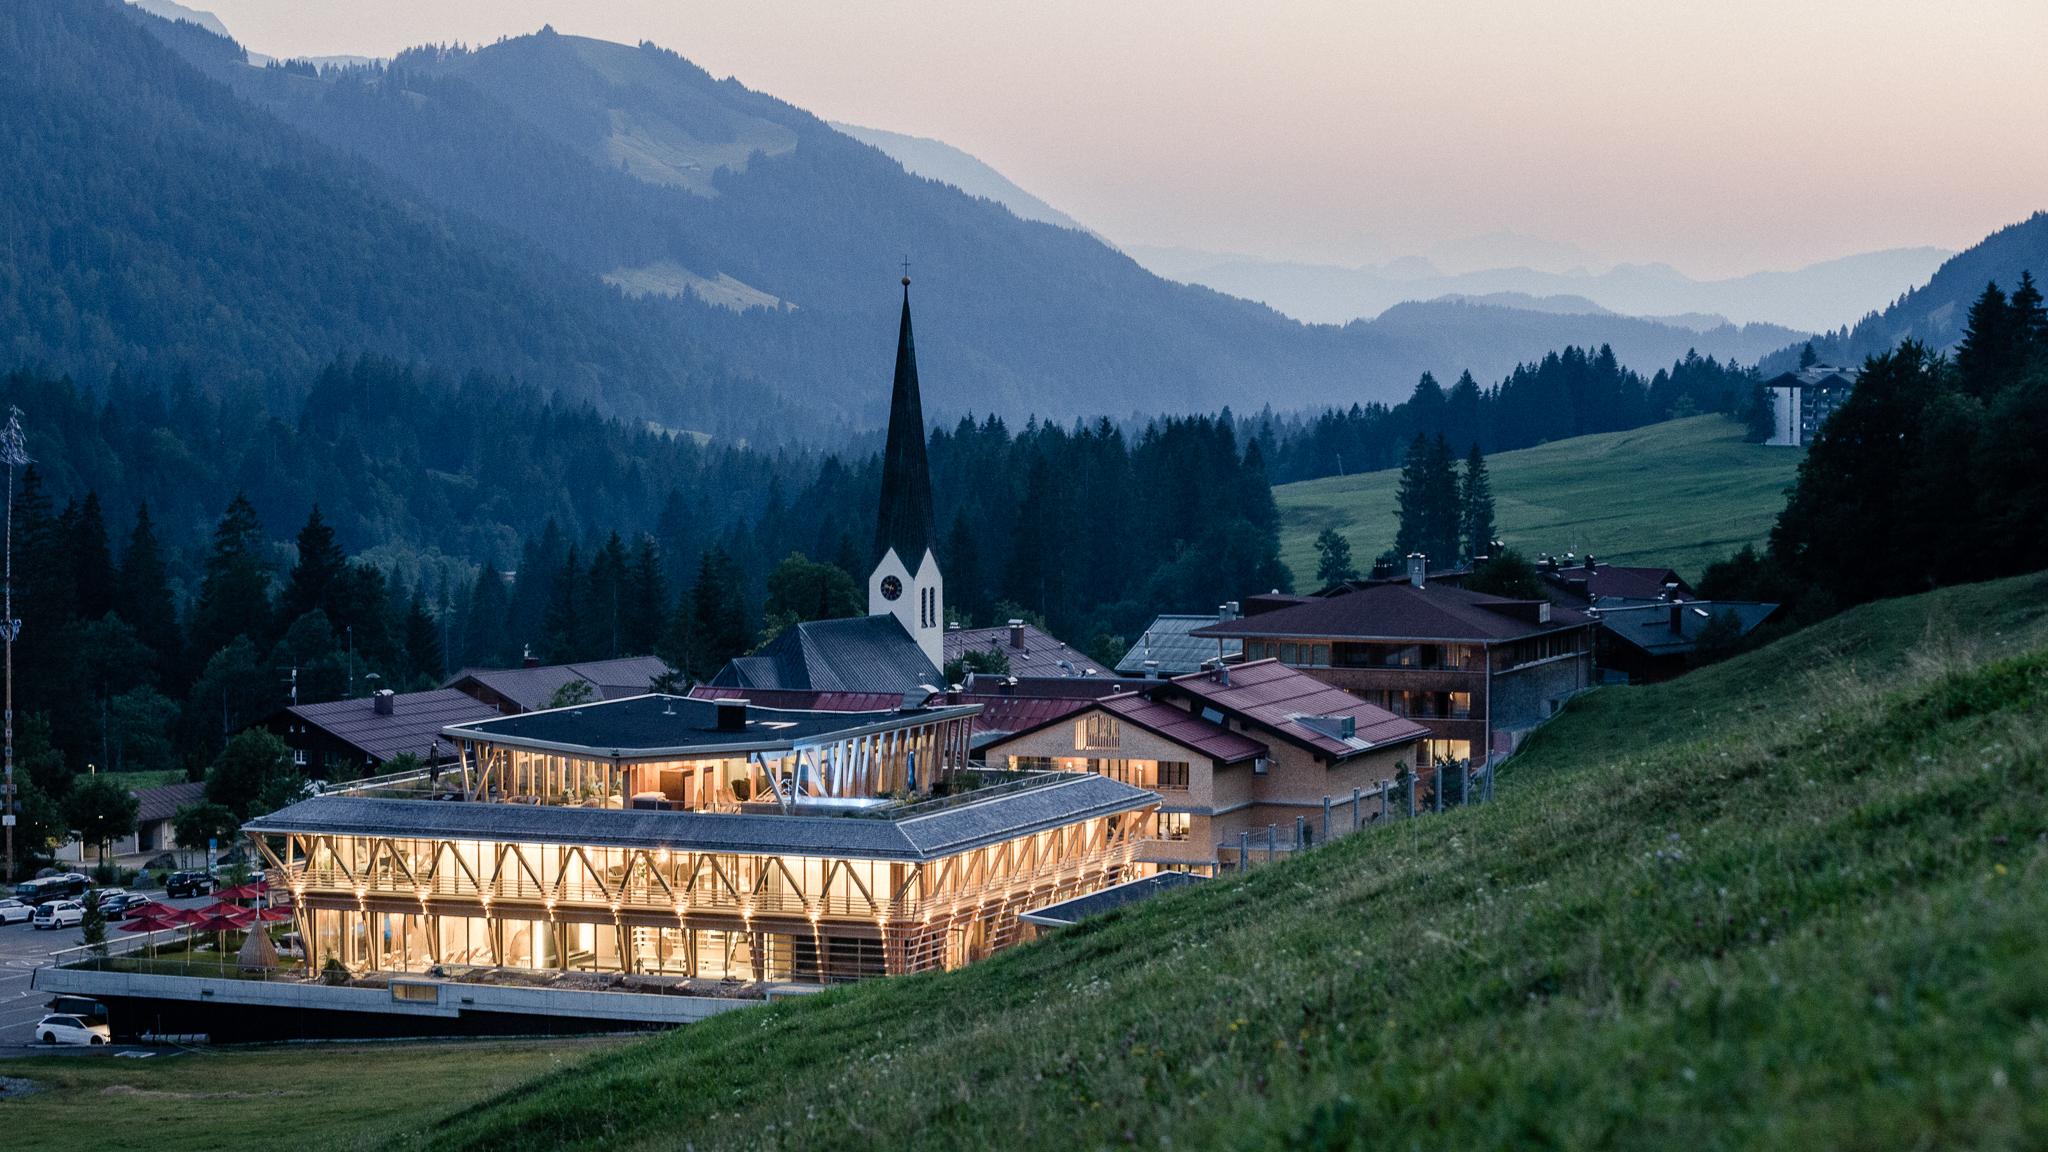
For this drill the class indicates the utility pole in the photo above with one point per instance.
(15, 453)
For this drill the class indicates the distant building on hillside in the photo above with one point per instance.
(1802, 401)
(1643, 643)
(1589, 583)
(1478, 671)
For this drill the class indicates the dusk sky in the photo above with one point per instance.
(1722, 137)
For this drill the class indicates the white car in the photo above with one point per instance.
(15, 912)
(59, 914)
(71, 1030)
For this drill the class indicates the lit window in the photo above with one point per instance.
(1173, 774)
(1100, 730)
(1174, 825)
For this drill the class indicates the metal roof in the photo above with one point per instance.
(1040, 654)
(1277, 698)
(533, 689)
(154, 804)
(1648, 626)
(1403, 612)
(1063, 799)
(1168, 642)
(660, 725)
(415, 722)
(852, 654)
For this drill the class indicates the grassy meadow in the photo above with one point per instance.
(1683, 493)
(1790, 901)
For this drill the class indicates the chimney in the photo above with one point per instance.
(1418, 569)
(1016, 633)
(1678, 615)
(732, 715)
(1670, 590)
(1151, 669)
(1589, 561)
(382, 701)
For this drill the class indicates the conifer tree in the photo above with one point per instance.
(142, 596)
(1475, 500)
(1988, 357)
(422, 641)
(485, 641)
(716, 628)
(562, 628)
(92, 562)
(646, 600)
(320, 565)
(1412, 499)
(234, 592)
(1333, 559)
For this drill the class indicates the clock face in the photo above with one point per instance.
(891, 588)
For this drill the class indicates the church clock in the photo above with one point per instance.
(891, 588)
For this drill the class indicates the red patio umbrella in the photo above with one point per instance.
(253, 890)
(151, 919)
(222, 919)
(272, 915)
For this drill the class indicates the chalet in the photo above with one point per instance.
(1478, 671)
(155, 811)
(348, 739)
(1240, 755)
(536, 686)
(1590, 583)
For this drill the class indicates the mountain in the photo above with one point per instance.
(1811, 298)
(1935, 313)
(171, 10)
(938, 160)
(779, 238)
(158, 224)
(1487, 338)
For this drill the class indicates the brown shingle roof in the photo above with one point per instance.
(154, 804)
(1041, 654)
(534, 688)
(414, 725)
(1274, 697)
(1404, 612)
(1186, 728)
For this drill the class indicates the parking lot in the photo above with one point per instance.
(22, 948)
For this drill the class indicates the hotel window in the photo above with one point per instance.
(1173, 774)
(1101, 731)
(299, 757)
(1174, 825)
(1033, 764)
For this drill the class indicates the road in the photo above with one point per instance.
(21, 949)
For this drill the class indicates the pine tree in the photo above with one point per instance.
(717, 626)
(1443, 522)
(1988, 358)
(1412, 499)
(965, 592)
(562, 628)
(1475, 505)
(1808, 357)
(423, 641)
(320, 565)
(234, 591)
(92, 562)
(2029, 318)
(1333, 564)
(485, 640)
(646, 600)
(142, 597)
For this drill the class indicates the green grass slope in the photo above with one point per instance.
(1791, 901)
(1682, 493)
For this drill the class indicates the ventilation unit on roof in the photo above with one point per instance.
(1340, 727)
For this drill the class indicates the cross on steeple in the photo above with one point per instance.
(906, 271)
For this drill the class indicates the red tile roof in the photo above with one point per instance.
(1404, 612)
(1185, 728)
(1002, 715)
(1274, 697)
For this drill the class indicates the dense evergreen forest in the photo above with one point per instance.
(1572, 392)
(1933, 472)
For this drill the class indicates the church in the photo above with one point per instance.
(899, 646)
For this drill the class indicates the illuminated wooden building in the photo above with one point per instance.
(662, 835)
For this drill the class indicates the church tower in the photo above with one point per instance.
(906, 581)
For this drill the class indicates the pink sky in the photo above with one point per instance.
(1722, 136)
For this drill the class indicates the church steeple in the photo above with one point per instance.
(905, 522)
(905, 582)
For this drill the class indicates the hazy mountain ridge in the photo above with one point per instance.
(938, 160)
(1022, 317)
(1815, 297)
(1937, 312)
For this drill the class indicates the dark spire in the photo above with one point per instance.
(905, 523)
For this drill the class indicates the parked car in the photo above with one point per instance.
(191, 883)
(63, 885)
(127, 906)
(111, 900)
(59, 914)
(15, 912)
(56, 1029)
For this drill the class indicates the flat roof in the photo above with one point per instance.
(1005, 814)
(663, 725)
